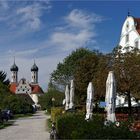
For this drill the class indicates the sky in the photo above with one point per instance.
(48, 31)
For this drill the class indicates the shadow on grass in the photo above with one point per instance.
(16, 116)
(6, 124)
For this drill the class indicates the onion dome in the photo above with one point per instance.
(34, 67)
(14, 67)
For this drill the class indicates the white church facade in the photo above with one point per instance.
(130, 34)
(31, 90)
(129, 39)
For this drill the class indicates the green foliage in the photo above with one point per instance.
(65, 70)
(46, 100)
(126, 67)
(3, 78)
(14, 102)
(17, 104)
(93, 68)
(55, 112)
(84, 73)
(6, 124)
(84, 66)
(73, 126)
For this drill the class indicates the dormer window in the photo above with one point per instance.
(127, 38)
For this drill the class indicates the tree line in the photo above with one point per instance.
(11, 101)
(84, 66)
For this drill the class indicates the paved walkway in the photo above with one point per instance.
(29, 128)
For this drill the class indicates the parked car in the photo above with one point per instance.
(10, 114)
(7, 114)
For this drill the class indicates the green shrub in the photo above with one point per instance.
(73, 126)
(55, 112)
(17, 104)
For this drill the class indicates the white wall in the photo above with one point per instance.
(131, 31)
(23, 88)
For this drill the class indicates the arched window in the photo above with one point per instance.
(127, 25)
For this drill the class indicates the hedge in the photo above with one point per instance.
(55, 112)
(73, 126)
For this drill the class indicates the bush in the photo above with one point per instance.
(125, 110)
(17, 104)
(55, 112)
(73, 126)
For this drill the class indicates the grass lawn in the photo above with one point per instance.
(6, 124)
(16, 116)
(49, 124)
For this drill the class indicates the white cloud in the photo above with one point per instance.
(24, 53)
(26, 15)
(68, 41)
(82, 19)
(78, 30)
(30, 15)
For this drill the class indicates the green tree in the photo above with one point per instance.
(3, 78)
(92, 68)
(46, 101)
(99, 80)
(126, 67)
(10, 101)
(65, 70)
(85, 72)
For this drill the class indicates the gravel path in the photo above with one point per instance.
(29, 128)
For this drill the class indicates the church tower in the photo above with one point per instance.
(130, 34)
(34, 74)
(14, 73)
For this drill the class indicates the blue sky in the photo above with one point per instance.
(48, 31)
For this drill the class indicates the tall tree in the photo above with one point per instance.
(93, 68)
(127, 71)
(85, 72)
(65, 70)
(100, 77)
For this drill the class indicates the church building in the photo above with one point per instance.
(130, 34)
(22, 87)
(129, 39)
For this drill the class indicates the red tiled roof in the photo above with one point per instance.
(36, 89)
(13, 87)
(137, 21)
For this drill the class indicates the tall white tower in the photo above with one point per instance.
(34, 74)
(14, 73)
